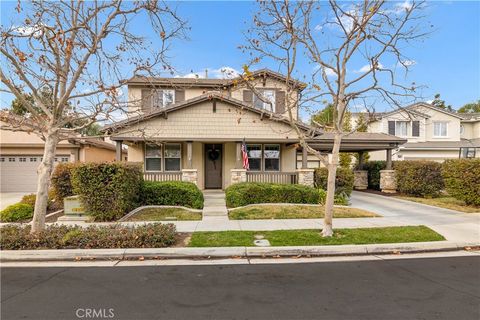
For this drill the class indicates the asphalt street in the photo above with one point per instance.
(433, 288)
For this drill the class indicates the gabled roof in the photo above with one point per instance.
(463, 143)
(209, 96)
(411, 109)
(211, 83)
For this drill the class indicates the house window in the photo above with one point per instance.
(11, 159)
(401, 128)
(173, 155)
(163, 98)
(153, 157)
(272, 157)
(462, 129)
(254, 152)
(2, 159)
(268, 102)
(22, 159)
(440, 129)
(33, 159)
(467, 152)
(64, 159)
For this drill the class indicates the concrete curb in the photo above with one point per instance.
(229, 252)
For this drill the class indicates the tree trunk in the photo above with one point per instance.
(44, 173)
(332, 173)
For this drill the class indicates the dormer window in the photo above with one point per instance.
(267, 100)
(163, 98)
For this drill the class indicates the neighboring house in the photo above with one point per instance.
(432, 133)
(21, 153)
(193, 129)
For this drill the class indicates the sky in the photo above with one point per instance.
(447, 62)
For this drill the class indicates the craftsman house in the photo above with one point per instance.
(192, 130)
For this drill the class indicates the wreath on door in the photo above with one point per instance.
(213, 156)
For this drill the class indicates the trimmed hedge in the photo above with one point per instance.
(462, 179)
(94, 237)
(61, 181)
(343, 180)
(419, 178)
(17, 212)
(172, 193)
(373, 168)
(108, 190)
(242, 194)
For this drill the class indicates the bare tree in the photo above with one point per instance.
(80, 53)
(356, 51)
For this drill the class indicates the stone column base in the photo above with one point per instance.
(190, 175)
(238, 176)
(388, 181)
(305, 177)
(360, 179)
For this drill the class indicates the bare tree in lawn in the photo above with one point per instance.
(356, 51)
(72, 58)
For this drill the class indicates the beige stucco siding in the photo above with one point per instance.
(200, 122)
(94, 154)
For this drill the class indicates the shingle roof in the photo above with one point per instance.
(463, 143)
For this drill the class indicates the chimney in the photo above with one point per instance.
(206, 73)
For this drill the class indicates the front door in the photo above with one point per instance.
(213, 166)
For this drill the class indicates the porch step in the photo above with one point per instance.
(214, 204)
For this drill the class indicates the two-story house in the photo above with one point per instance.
(194, 129)
(432, 133)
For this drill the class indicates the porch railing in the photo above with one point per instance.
(273, 177)
(162, 176)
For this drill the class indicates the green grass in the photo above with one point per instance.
(295, 212)
(313, 237)
(444, 202)
(161, 214)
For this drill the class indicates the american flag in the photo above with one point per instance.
(246, 165)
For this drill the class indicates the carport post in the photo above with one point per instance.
(118, 150)
(360, 160)
(389, 159)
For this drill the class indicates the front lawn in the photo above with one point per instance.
(313, 237)
(164, 214)
(444, 202)
(295, 212)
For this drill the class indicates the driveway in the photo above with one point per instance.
(454, 225)
(9, 198)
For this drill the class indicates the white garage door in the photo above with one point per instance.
(18, 173)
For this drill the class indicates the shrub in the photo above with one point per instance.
(17, 212)
(373, 168)
(343, 180)
(107, 190)
(242, 194)
(419, 178)
(51, 205)
(340, 199)
(61, 181)
(172, 193)
(462, 178)
(94, 237)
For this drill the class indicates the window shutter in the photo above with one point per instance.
(391, 127)
(416, 129)
(280, 101)
(179, 95)
(146, 100)
(157, 98)
(248, 96)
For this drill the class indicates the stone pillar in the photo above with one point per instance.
(238, 175)
(305, 177)
(360, 179)
(118, 151)
(388, 181)
(190, 175)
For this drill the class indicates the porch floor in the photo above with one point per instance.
(214, 206)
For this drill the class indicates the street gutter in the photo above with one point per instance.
(232, 252)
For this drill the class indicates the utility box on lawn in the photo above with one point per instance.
(73, 206)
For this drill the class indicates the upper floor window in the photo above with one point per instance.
(401, 128)
(266, 101)
(163, 98)
(462, 129)
(440, 129)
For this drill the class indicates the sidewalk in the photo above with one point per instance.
(232, 252)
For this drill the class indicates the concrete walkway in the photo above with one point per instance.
(214, 206)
